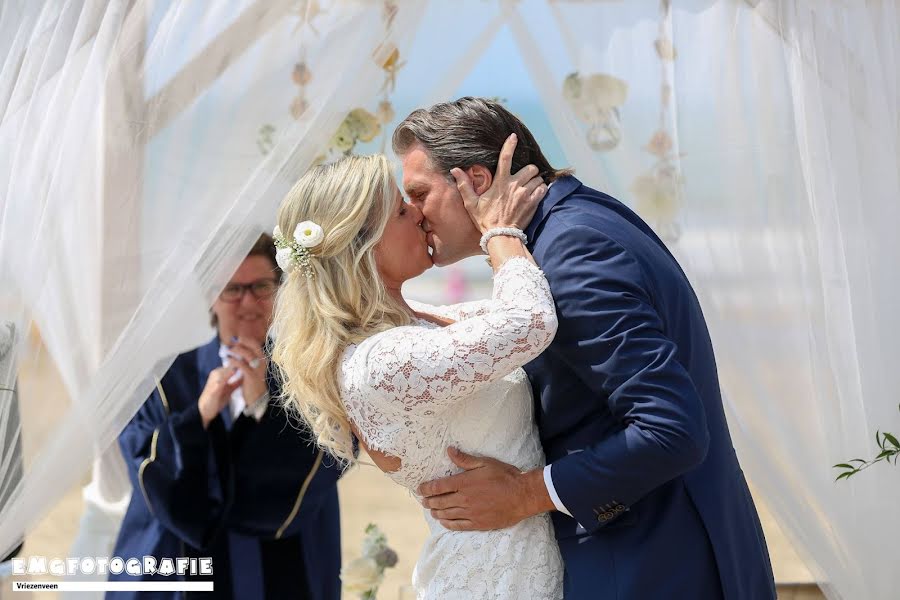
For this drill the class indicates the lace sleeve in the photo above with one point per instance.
(428, 369)
(455, 312)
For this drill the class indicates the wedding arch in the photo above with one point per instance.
(145, 144)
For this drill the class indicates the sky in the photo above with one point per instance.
(614, 38)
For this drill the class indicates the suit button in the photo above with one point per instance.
(620, 509)
(602, 517)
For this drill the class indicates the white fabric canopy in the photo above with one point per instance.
(133, 182)
(144, 145)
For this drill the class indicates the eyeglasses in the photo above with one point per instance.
(259, 289)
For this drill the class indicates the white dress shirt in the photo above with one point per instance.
(548, 481)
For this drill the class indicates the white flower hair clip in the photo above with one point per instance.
(294, 253)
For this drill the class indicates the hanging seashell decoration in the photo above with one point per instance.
(595, 99)
(658, 192)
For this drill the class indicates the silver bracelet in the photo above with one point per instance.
(510, 231)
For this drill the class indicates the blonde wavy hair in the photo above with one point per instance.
(345, 301)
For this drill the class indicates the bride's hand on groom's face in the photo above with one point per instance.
(510, 200)
(488, 494)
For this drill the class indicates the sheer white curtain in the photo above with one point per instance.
(777, 122)
(143, 148)
(842, 67)
(782, 124)
(144, 145)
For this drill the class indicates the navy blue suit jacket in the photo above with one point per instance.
(630, 416)
(197, 490)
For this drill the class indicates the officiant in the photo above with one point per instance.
(219, 470)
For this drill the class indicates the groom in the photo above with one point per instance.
(645, 491)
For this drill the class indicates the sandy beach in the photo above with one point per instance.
(367, 496)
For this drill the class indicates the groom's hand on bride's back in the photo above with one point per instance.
(488, 494)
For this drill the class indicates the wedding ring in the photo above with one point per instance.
(255, 363)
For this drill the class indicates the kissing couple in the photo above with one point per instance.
(566, 437)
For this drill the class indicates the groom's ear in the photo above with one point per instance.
(481, 178)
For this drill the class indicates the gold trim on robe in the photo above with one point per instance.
(162, 396)
(302, 493)
(152, 457)
(144, 464)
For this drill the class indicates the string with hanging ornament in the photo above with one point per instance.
(385, 112)
(360, 125)
(658, 192)
(594, 98)
(307, 12)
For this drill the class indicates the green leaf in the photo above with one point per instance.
(842, 466)
(892, 440)
(859, 460)
(878, 439)
(884, 453)
(843, 475)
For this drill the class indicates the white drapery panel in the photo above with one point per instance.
(144, 145)
(783, 126)
(783, 129)
(136, 169)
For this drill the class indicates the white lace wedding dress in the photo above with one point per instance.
(413, 391)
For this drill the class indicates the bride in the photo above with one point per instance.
(407, 380)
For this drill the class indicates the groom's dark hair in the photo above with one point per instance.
(470, 131)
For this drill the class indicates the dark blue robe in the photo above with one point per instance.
(257, 497)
